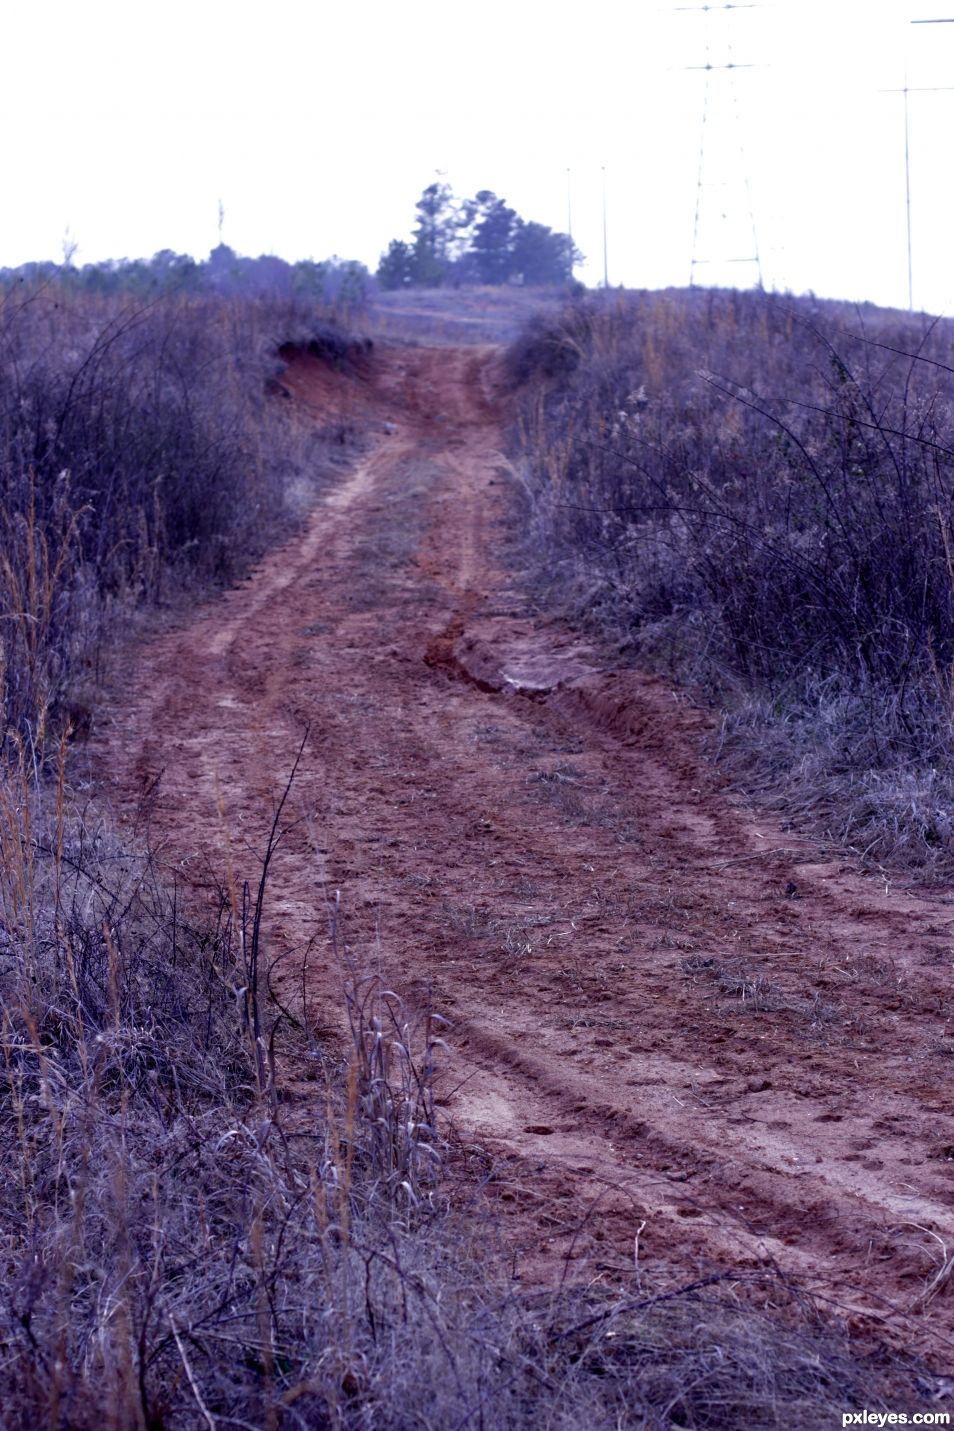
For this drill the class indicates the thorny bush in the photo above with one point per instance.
(758, 492)
(139, 449)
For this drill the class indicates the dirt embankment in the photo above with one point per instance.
(670, 1018)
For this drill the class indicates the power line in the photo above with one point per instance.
(906, 90)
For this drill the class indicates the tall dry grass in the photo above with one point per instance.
(195, 1237)
(141, 455)
(757, 492)
(177, 1248)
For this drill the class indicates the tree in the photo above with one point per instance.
(493, 238)
(542, 256)
(434, 234)
(221, 268)
(397, 267)
(308, 279)
(479, 240)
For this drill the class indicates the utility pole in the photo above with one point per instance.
(569, 226)
(906, 90)
(907, 193)
(605, 249)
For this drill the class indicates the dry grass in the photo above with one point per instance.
(140, 454)
(196, 1235)
(471, 314)
(188, 1244)
(756, 494)
(177, 1249)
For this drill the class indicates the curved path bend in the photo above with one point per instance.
(667, 1013)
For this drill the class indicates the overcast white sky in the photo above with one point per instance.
(319, 124)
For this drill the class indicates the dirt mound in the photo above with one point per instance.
(330, 381)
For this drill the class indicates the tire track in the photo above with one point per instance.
(670, 1012)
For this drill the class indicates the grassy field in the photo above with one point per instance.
(458, 315)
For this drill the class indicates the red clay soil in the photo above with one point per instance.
(666, 1013)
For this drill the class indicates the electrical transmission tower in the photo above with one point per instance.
(724, 231)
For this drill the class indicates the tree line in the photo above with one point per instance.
(478, 240)
(334, 281)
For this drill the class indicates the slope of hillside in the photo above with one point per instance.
(671, 1022)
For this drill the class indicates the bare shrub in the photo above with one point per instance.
(175, 1252)
(139, 450)
(756, 492)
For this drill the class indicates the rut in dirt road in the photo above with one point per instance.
(667, 1011)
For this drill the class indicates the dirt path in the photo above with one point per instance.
(667, 1012)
